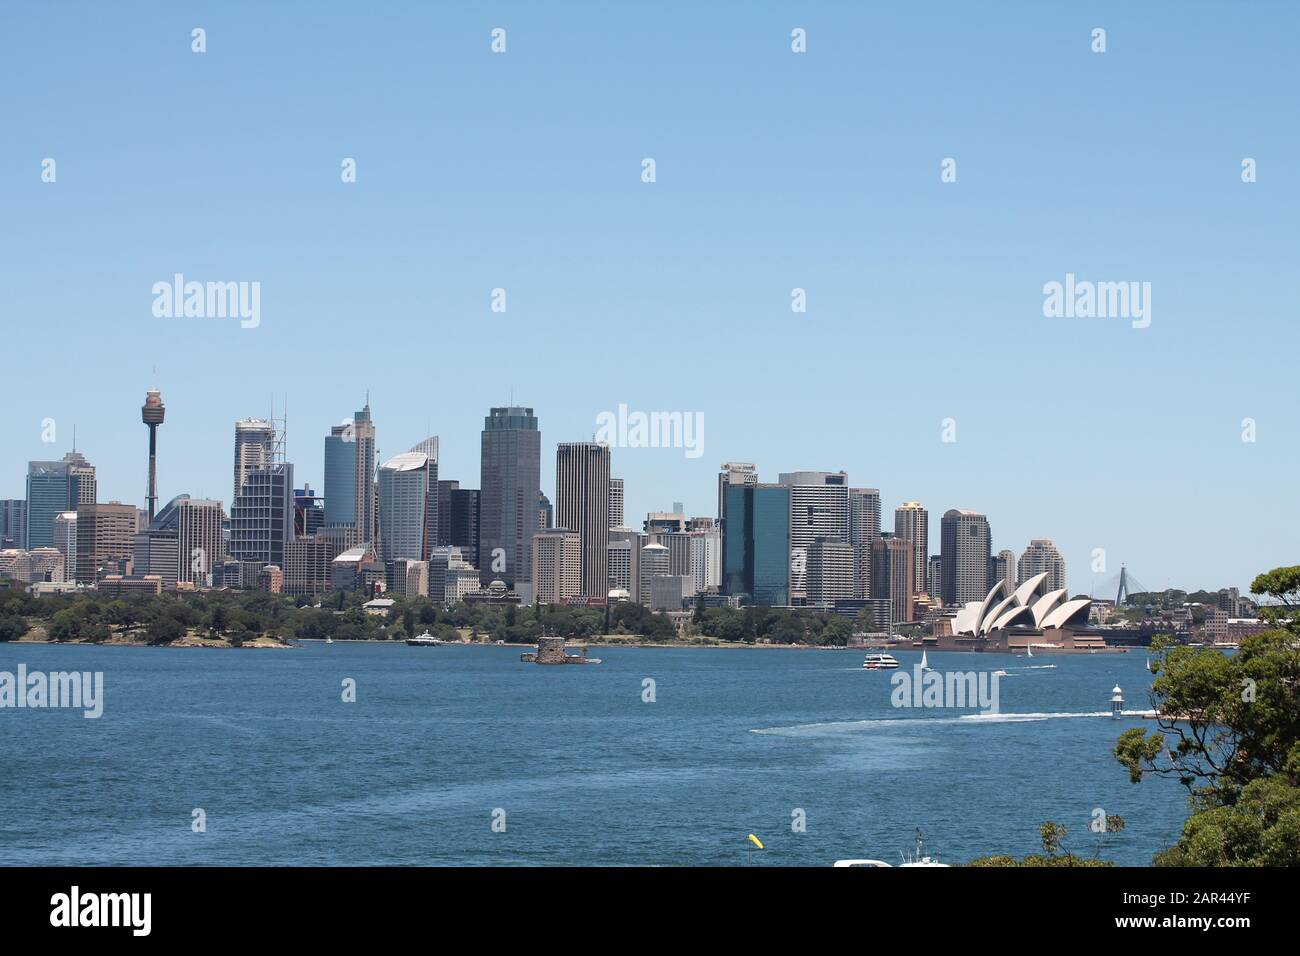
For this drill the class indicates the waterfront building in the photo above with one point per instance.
(350, 452)
(830, 571)
(819, 508)
(912, 523)
(408, 489)
(964, 547)
(1042, 556)
(1004, 568)
(54, 487)
(511, 479)
(892, 576)
(105, 540)
(557, 566)
(734, 473)
(653, 564)
(756, 543)
(261, 519)
(864, 528)
(582, 506)
(668, 592)
(706, 558)
(307, 565)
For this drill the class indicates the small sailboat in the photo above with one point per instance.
(1029, 650)
(925, 664)
(329, 640)
(1147, 662)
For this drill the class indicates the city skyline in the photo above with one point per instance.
(301, 477)
(498, 186)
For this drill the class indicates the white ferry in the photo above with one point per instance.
(423, 640)
(880, 662)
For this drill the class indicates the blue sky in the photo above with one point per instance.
(774, 171)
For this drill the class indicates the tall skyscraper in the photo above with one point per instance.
(756, 543)
(350, 475)
(52, 488)
(434, 515)
(261, 519)
(934, 578)
(254, 449)
(1040, 556)
(734, 473)
(819, 508)
(616, 502)
(964, 549)
(892, 576)
(864, 528)
(152, 414)
(912, 523)
(582, 505)
(511, 478)
(406, 492)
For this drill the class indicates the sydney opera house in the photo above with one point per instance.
(1014, 620)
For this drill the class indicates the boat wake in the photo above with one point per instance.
(851, 726)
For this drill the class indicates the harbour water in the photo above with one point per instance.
(441, 743)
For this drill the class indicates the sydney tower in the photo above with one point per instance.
(151, 413)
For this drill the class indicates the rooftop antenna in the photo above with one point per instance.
(74, 436)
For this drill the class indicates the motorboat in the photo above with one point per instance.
(423, 640)
(916, 859)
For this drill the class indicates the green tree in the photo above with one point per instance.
(1229, 731)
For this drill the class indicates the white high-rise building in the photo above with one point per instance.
(254, 449)
(706, 559)
(819, 508)
(404, 493)
(65, 539)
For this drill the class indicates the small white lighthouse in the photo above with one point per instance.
(1116, 702)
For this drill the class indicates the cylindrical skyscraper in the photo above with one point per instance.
(151, 413)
